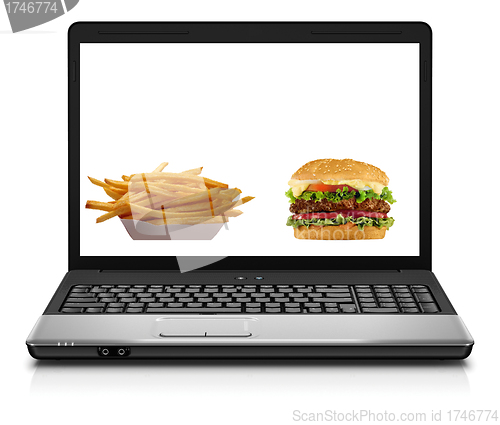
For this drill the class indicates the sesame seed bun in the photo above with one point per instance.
(340, 169)
(343, 232)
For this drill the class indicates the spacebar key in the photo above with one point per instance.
(193, 310)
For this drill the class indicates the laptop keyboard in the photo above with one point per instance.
(253, 299)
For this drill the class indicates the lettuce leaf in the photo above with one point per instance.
(342, 194)
(361, 222)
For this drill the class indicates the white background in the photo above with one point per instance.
(34, 237)
(251, 115)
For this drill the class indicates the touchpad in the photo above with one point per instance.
(211, 327)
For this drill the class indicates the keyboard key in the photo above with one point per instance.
(366, 300)
(116, 305)
(80, 300)
(408, 305)
(83, 305)
(429, 307)
(368, 305)
(410, 310)
(424, 298)
(106, 300)
(292, 310)
(315, 310)
(233, 305)
(164, 300)
(190, 305)
(312, 305)
(104, 295)
(114, 310)
(94, 310)
(174, 305)
(380, 310)
(72, 310)
(341, 300)
(405, 299)
(253, 305)
(273, 310)
(134, 310)
(386, 300)
(253, 310)
(198, 310)
(331, 310)
(389, 305)
(334, 290)
(348, 308)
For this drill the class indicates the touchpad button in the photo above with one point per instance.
(203, 327)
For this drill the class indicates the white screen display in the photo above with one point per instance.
(251, 115)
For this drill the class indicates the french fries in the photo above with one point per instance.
(166, 198)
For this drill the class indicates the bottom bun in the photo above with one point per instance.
(345, 232)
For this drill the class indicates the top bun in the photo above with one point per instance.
(340, 169)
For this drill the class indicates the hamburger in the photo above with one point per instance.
(339, 199)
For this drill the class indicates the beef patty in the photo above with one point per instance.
(301, 206)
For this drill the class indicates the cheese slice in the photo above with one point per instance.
(299, 186)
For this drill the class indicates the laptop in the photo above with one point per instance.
(249, 190)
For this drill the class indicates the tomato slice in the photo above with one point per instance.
(345, 213)
(320, 187)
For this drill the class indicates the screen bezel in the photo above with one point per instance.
(251, 32)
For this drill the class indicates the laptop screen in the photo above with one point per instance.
(273, 149)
